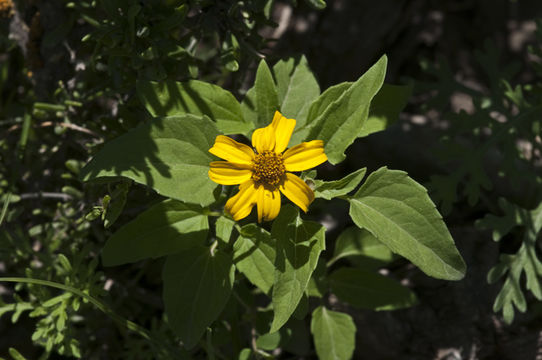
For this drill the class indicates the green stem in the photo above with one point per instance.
(5, 207)
(101, 306)
(24, 136)
(209, 341)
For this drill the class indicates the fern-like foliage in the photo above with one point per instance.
(511, 267)
(502, 126)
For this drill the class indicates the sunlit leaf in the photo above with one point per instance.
(400, 214)
(334, 334)
(169, 98)
(261, 101)
(254, 256)
(360, 244)
(298, 245)
(385, 108)
(340, 123)
(296, 88)
(168, 154)
(331, 189)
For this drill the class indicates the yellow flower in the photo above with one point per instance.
(6, 8)
(263, 175)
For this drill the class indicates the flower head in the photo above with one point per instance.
(264, 174)
(6, 8)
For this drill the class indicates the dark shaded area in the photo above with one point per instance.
(454, 320)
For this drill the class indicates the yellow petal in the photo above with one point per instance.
(268, 202)
(231, 150)
(227, 173)
(264, 139)
(304, 156)
(297, 191)
(283, 131)
(240, 205)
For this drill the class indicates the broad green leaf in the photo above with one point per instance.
(224, 228)
(399, 213)
(329, 96)
(166, 228)
(168, 154)
(334, 334)
(385, 108)
(197, 286)
(168, 98)
(302, 307)
(248, 107)
(297, 88)
(340, 123)
(331, 189)
(298, 245)
(254, 256)
(300, 342)
(245, 354)
(261, 101)
(356, 242)
(271, 341)
(318, 284)
(370, 290)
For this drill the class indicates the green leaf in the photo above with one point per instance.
(245, 354)
(223, 229)
(302, 308)
(385, 108)
(332, 94)
(318, 284)
(340, 123)
(297, 88)
(164, 229)
(512, 266)
(15, 354)
(168, 98)
(399, 213)
(331, 189)
(298, 244)
(168, 154)
(502, 225)
(261, 101)
(300, 342)
(271, 341)
(114, 208)
(360, 243)
(328, 97)
(334, 334)
(317, 4)
(254, 256)
(197, 286)
(369, 290)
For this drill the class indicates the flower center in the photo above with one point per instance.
(268, 168)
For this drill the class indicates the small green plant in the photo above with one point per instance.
(492, 156)
(136, 253)
(210, 257)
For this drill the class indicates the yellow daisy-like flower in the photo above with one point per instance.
(263, 175)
